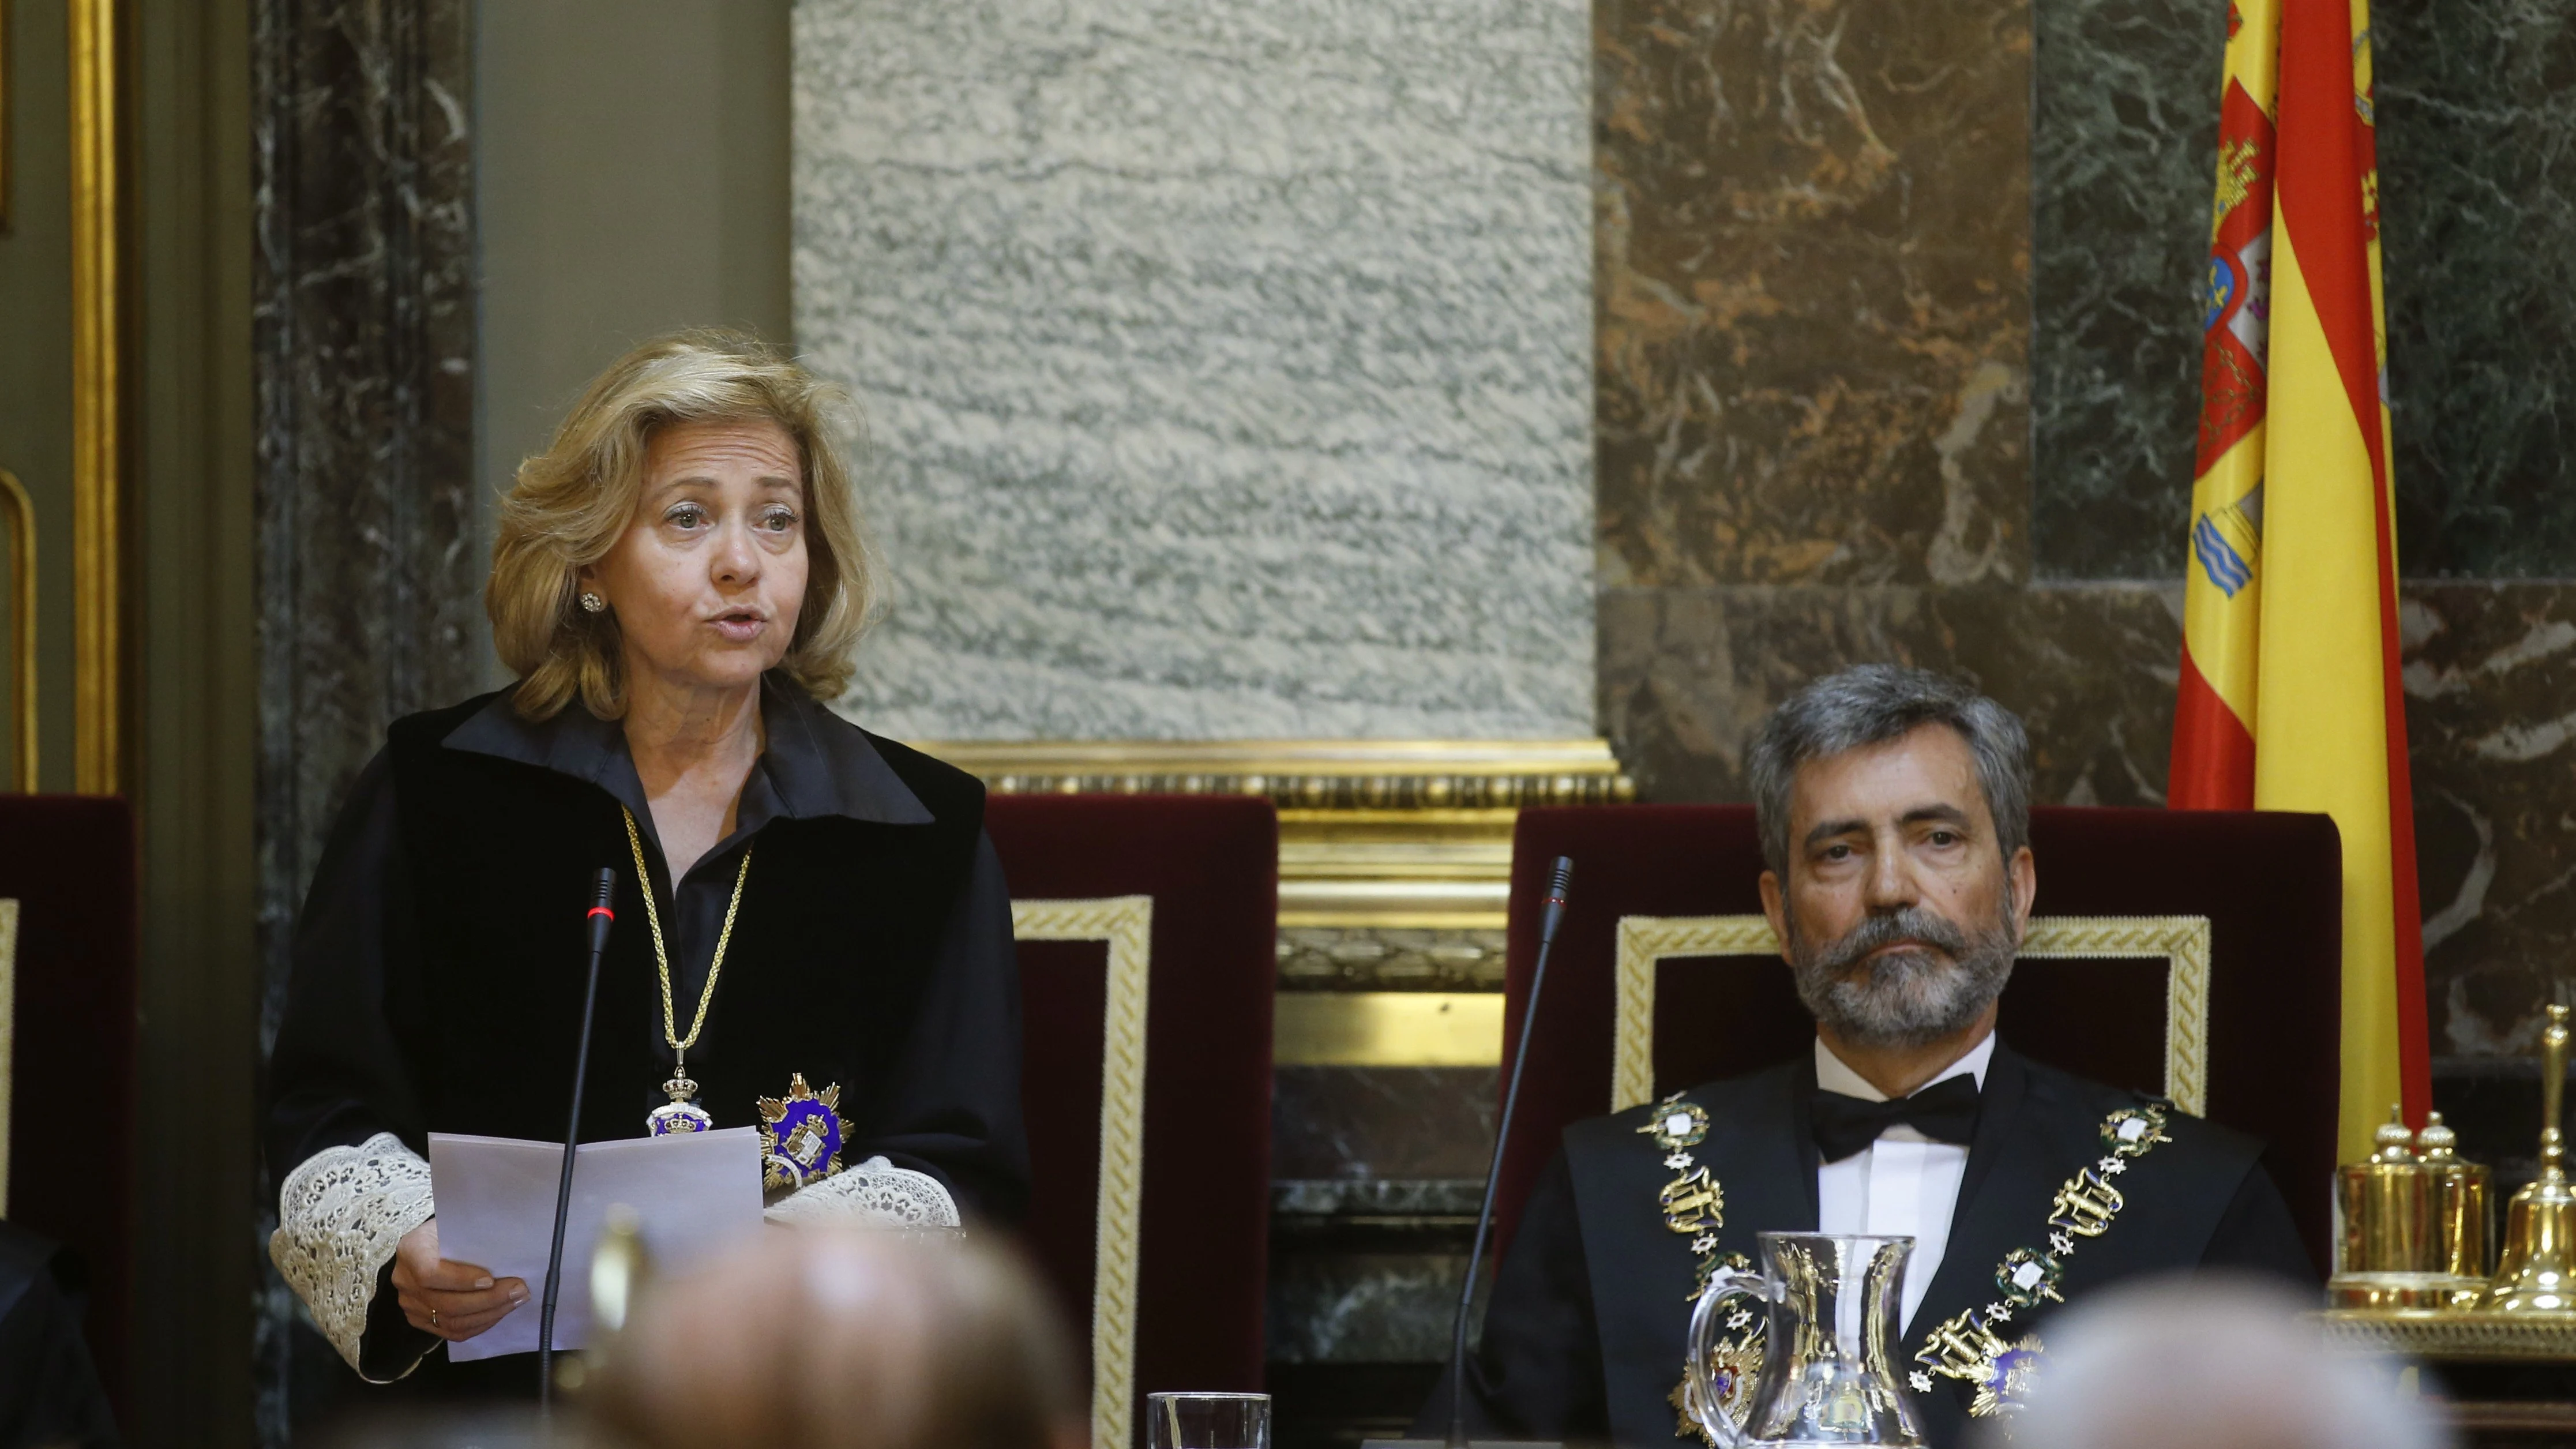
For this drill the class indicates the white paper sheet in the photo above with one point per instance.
(691, 1195)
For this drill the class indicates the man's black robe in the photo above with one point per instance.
(1585, 1336)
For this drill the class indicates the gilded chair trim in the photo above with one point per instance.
(2182, 942)
(1126, 923)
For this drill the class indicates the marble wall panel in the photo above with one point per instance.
(1813, 292)
(1227, 361)
(2491, 705)
(369, 588)
(2477, 126)
(1687, 674)
(1381, 1124)
(2124, 131)
(1380, 1307)
(2476, 118)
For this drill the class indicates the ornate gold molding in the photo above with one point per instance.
(1306, 774)
(1379, 834)
(1127, 924)
(20, 511)
(2182, 942)
(2473, 1335)
(98, 397)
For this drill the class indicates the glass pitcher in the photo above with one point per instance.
(1825, 1377)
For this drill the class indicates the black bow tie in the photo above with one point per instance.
(1946, 1111)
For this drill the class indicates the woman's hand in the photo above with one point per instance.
(453, 1300)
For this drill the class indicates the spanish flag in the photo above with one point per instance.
(2290, 697)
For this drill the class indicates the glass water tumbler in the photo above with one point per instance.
(1207, 1421)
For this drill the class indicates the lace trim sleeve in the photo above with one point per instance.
(875, 1193)
(339, 1216)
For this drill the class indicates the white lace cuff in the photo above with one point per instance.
(876, 1193)
(339, 1216)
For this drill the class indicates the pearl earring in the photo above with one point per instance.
(593, 603)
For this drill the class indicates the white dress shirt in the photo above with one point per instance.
(1904, 1183)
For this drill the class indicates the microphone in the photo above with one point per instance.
(1552, 917)
(600, 919)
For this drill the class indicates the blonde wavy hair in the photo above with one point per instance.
(572, 502)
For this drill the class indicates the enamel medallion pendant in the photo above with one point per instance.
(679, 1114)
(804, 1132)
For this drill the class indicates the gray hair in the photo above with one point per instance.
(2260, 1377)
(1870, 704)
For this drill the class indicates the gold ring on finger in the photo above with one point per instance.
(433, 1320)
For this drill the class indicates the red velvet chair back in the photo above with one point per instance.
(69, 863)
(2270, 884)
(1211, 866)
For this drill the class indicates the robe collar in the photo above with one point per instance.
(2007, 1166)
(814, 764)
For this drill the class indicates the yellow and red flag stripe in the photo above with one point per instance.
(2290, 695)
(2213, 752)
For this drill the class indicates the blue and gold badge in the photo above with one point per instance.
(804, 1130)
(680, 1114)
(1970, 1350)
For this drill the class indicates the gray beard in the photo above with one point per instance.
(1905, 998)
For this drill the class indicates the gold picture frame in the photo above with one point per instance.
(19, 512)
(2182, 942)
(99, 443)
(1126, 923)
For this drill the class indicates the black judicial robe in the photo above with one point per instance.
(440, 962)
(1590, 1316)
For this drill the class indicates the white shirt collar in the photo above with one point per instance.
(1834, 1075)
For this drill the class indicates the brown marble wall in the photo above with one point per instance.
(1687, 673)
(369, 580)
(1813, 421)
(1811, 284)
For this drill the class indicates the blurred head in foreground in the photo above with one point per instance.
(826, 1338)
(2210, 1365)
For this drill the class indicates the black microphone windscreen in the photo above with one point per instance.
(602, 912)
(1556, 884)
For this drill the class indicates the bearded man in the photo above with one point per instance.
(1894, 812)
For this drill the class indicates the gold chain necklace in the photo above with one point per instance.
(681, 1114)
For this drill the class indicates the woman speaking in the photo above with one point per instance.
(813, 937)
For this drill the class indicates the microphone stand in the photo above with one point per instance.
(1555, 915)
(601, 918)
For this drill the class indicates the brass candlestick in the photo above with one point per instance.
(2388, 1252)
(2537, 1272)
(2463, 1206)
